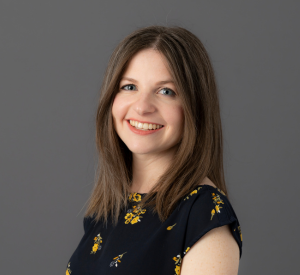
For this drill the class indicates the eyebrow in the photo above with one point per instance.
(160, 82)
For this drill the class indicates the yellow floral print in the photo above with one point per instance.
(177, 264)
(221, 191)
(217, 201)
(193, 192)
(187, 249)
(68, 271)
(133, 215)
(240, 232)
(171, 226)
(97, 246)
(212, 213)
(134, 197)
(116, 260)
(239, 228)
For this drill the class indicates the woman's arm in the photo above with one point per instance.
(217, 252)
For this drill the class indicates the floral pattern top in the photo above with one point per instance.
(141, 244)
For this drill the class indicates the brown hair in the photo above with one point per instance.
(200, 152)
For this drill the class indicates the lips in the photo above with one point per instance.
(140, 121)
(143, 132)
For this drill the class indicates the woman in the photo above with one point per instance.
(160, 204)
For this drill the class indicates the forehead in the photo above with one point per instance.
(148, 61)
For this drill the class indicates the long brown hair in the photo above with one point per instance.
(200, 152)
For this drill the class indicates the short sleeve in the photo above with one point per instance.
(209, 209)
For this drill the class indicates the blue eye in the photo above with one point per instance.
(127, 86)
(167, 89)
(163, 89)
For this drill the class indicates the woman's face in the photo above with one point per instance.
(147, 96)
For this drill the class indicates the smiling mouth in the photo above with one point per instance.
(145, 126)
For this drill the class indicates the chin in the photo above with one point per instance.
(141, 149)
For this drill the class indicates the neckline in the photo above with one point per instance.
(201, 185)
(132, 193)
(135, 197)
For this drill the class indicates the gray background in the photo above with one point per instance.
(52, 60)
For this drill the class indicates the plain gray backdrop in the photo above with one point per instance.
(52, 60)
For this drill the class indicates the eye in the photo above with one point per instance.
(128, 85)
(168, 91)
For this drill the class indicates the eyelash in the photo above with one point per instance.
(164, 88)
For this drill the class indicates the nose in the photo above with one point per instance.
(144, 103)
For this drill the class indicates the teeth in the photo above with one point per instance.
(145, 126)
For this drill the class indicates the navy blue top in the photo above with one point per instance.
(141, 244)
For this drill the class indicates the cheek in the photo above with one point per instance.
(175, 116)
(118, 108)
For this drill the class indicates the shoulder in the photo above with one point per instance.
(208, 204)
(205, 190)
(87, 222)
(207, 181)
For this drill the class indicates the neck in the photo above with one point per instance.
(148, 168)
